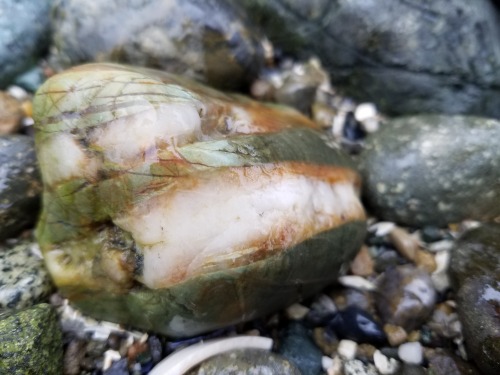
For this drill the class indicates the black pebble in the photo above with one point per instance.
(355, 324)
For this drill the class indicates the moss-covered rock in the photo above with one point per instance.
(31, 342)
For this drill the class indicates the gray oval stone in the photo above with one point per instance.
(433, 170)
(246, 362)
(20, 184)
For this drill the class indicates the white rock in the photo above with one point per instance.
(382, 228)
(324, 303)
(109, 357)
(296, 311)
(357, 282)
(366, 115)
(17, 92)
(442, 245)
(357, 367)
(411, 353)
(332, 366)
(384, 364)
(347, 349)
(440, 278)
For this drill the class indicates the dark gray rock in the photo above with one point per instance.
(20, 184)
(246, 362)
(298, 347)
(408, 56)
(444, 362)
(24, 35)
(433, 170)
(24, 280)
(31, 342)
(207, 40)
(406, 296)
(475, 270)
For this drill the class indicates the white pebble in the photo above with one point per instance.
(324, 303)
(382, 228)
(357, 282)
(109, 357)
(366, 114)
(347, 349)
(411, 353)
(17, 92)
(384, 364)
(296, 311)
(439, 246)
(332, 366)
(440, 278)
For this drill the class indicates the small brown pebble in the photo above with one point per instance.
(414, 336)
(365, 352)
(73, 356)
(296, 311)
(405, 243)
(11, 113)
(326, 342)
(425, 261)
(363, 264)
(396, 335)
(135, 349)
(27, 107)
(323, 114)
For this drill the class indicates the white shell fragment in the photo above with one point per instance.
(382, 228)
(357, 282)
(181, 361)
(347, 349)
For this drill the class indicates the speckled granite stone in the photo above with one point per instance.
(23, 277)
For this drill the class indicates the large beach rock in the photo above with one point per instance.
(207, 40)
(433, 170)
(172, 207)
(407, 56)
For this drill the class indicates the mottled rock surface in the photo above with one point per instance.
(475, 268)
(433, 169)
(20, 184)
(172, 207)
(31, 342)
(24, 35)
(24, 280)
(207, 40)
(439, 56)
(246, 362)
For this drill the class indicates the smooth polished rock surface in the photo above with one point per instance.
(172, 207)
(20, 184)
(406, 56)
(207, 40)
(24, 35)
(433, 170)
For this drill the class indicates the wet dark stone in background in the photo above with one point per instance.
(20, 184)
(24, 36)
(407, 56)
(207, 40)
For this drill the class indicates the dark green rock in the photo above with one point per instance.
(433, 170)
(20, 184)
(407, 56)
(24, 280)
(475, 269)
(207, 40)
(24, 36)
(297, 346)
(246, 362)
(30, 342)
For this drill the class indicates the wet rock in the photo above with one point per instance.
(357, 367)
(20, 184)
(30, 342)
(208, 40)
(24, 36)
(246, 362)
(150, 159)
(297, 347)
(386, 50)
(11, 114)
(443, 362)
(355, 324)
(406, 296)
(433, 170)
(475, 268)
(31, 80)
(24, 280)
